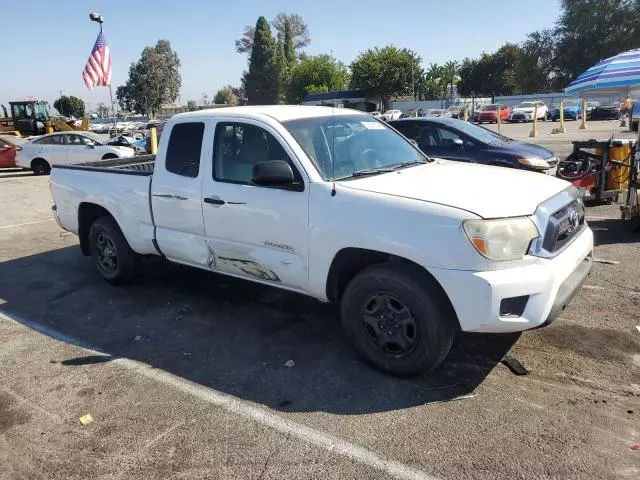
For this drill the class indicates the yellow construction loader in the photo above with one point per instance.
(31, 117)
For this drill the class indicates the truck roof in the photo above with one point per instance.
(281, 113)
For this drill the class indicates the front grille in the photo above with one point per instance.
(563, 226)
(518, 116)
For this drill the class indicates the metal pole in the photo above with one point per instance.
(113, 111)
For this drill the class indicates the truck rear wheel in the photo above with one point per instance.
(396, 321)
(110, 252)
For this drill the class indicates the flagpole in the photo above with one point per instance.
(113, 110)
(96, 17)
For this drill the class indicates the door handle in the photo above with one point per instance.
(214, 201)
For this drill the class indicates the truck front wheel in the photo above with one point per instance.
(110, 252)
(396, 320)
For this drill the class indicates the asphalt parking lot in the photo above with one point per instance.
(192, 375)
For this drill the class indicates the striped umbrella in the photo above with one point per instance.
(617, 74)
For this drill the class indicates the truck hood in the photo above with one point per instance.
(489, 192)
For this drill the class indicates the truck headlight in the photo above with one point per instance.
(501, 239)
(534, 162)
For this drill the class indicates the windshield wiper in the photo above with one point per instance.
(372, 171)
(409, 163)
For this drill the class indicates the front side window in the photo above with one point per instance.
(343, 145)
(239, 146)
(51, 140)
(185, 146)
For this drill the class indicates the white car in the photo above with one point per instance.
(376, 114)
(391, 115)
(362, 218)
(525, 111)
(63, 148)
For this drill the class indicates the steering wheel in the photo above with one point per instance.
(575, 166)
(364, 155)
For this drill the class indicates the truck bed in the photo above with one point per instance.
(139, 165)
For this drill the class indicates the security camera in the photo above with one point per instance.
(96, 17)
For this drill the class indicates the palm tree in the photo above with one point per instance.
(451, 69)
(434, 82)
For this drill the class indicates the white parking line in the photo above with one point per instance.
(27, 223)
(246, 410)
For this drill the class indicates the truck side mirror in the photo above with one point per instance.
(272, 173)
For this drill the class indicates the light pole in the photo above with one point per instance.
(99, 19)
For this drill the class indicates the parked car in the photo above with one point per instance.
(256, 193)
(635, 116)
(490, 113)
(524, 112)
(605, 112)
(376, 114)
(459, 140)
(63, 148)
(590, 107)
(435, 112)
(9, 146)
(572, 110)
(391, 115)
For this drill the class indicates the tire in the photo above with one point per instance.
(40, 166)
(110, 252)
(397, 292)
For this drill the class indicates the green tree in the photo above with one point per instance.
(299, 33)
(433, 83)
(225, 96)
(492, 74)
(319, 74)
(192, 106)
(154, 80)
(385, 73)
(536, 71)
(262, 81)
(282, 68)
(289, 47)
(69, 106)
(591, 30)
(450, 72)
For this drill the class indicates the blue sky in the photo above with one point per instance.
(47, 50)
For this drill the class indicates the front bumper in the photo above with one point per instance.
(549, 284)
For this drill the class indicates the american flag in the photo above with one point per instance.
(97, 72)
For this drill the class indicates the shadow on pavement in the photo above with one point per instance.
(612, 231)
(229, 335)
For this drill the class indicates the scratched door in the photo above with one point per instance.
(255, 232)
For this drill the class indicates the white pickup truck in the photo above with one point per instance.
(337, 205)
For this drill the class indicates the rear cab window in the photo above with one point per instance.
(184, 149)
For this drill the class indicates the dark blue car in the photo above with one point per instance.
(454, 139)
(572, 110)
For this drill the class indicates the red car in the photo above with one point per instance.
(490, 113)
(9, 145)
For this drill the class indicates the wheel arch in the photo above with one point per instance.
(87, 214)
(348, 262)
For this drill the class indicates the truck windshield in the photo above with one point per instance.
(343, 145)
